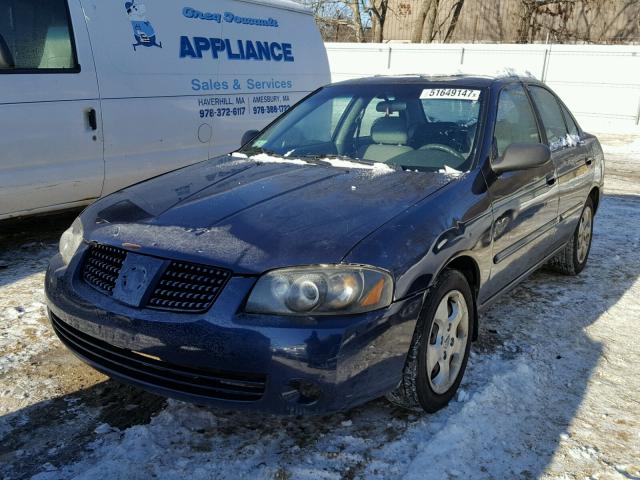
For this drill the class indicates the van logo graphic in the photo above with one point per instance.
(143, 31)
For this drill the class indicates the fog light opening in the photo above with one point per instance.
(303, 392)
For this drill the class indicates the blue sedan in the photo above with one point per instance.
(342, 254)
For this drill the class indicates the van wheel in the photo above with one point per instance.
(440, 348)
(572, 259)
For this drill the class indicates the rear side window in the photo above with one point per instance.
(551, 116)
(35, 35)
(574, 131)
(515, 122)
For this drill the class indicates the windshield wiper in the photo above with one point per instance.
(318, 158)
(335, 156)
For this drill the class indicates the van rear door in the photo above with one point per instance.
(51, 151)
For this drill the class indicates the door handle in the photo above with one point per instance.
(551, 180)
(93, 118)
(588, 160)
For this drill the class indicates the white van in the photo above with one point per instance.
(96, 95)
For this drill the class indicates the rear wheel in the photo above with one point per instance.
(440, 349)
(572, 259)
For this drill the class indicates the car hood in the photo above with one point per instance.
(252, 216)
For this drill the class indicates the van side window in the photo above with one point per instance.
(551, 115)
(515, 122)
(35, 35)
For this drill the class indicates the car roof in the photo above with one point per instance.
(461, 80)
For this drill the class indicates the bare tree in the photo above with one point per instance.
(430, 25)
(357, 20)
(628, 19)
(378, 11)
(425, 21)
(563, 21)
(455, 16)
(530, 23)
(338, 21)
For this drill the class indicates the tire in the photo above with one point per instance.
(424, 383)
(572, 259)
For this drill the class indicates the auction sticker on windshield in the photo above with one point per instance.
(450, 93)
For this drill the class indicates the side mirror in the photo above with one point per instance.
(522, 156)
(248, 136)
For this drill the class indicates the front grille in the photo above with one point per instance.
(102, 266)
(188, 287)
(183, 286)
(248, 387)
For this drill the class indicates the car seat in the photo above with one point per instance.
(390, 137)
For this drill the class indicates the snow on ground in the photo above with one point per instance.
(551, 390)
(623, 162)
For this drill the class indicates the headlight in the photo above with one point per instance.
(323, 290)
(70, 241)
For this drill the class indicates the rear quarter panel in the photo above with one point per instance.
(599, 161)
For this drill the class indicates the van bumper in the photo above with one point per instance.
(228, 359)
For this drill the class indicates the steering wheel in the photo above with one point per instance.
(443, 148)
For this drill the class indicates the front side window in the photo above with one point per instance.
(35, 35)
(393, 123)
(515, 121)
(551, 116)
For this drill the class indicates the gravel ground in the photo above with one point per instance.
(552, 389)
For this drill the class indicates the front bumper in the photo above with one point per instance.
(230, 359)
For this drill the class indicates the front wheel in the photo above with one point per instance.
(440, 349)
(572, 259)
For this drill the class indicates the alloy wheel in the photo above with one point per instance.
(447, 341)
(584, 234)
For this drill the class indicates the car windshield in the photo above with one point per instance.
(423, 127)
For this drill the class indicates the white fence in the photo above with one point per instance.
(599, 83)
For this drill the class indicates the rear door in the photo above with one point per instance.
(525, 202)
(570, 154)
(51, 142)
